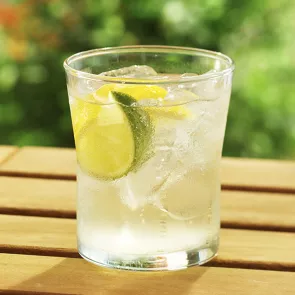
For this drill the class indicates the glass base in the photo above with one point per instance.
(160, 262)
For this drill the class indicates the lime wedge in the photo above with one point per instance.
(116, 141)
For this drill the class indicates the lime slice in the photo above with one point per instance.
(116, 141)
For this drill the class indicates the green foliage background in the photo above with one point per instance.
(36, 36)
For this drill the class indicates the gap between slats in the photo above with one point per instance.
(38, 212)
(216, 262)
(229, 187)
(72, 215)
(20, 292)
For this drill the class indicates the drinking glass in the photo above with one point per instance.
(149, 125)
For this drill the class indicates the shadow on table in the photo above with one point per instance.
(76, 276)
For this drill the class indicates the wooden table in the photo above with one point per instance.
(38, 242)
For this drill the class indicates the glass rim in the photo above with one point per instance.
(149, 48)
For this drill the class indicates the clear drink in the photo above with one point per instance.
(148, 144)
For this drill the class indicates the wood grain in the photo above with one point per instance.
(237, 173)
(37, 197)
(56, 198)
(257, 249)
(6, 152)
(253, 210)
(44, 162)
(76, 276)
(258, 174)
(38, 235)
(239, 248)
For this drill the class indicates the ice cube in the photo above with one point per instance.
(178, 95)
(138, 188)
(187, 195)
(148, 102)
(81, 87)
(209, 89)
(135, 71)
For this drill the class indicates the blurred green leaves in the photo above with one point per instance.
(36, 37)
(8, 76)
(261, 46)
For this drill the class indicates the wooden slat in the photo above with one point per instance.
(56, 198)
(239, 248)
(38, 235)
(38, 197)
(258, 174)
(257, 249)
(6, 152)
(237, 173)
(268, 211)
(42, 162)
(76, 276)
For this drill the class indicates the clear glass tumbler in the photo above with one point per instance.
(149, 125)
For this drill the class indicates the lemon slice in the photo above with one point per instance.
(141, 92)
(82, 112)
(138, 92)
(116, 141)
(172, 112)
